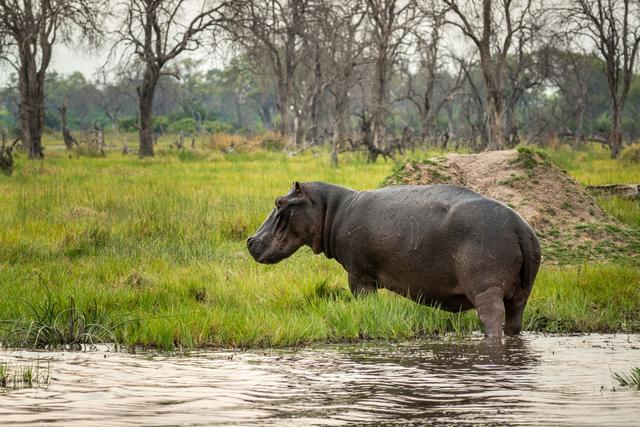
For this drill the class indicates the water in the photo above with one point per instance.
(534, 380)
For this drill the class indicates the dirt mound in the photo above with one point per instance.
(571, 226)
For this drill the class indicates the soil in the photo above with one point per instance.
(571, 226)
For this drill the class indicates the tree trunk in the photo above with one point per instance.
(342, 112)
(335, 141)
(377, 129)
(496, 134)
(615, 138)
(425, 122)
(31, 85)
(265, 115)
(145, 104)
(283, 109)
(579, 123)
(69, 140)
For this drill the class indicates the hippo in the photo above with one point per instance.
(440, 245)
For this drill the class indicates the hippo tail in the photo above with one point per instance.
(531, 255)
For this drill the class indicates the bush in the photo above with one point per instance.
(631, 154)
(6, 119)
(128, 124)
(213, 126)
(160, 124)
(186, 125)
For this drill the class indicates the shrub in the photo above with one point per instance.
(160, 124)
(631, 154)
(128, 124)
(225, 141)
(186, 125)
(213, 126)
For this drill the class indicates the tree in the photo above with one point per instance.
(156, 32)
(430, 87)
(392, 24)
(582, 89)
(270, 33)
(343, 28)
(613, 29)
(492, 31)
(29, 30)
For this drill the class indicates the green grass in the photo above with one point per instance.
(152, 253)
(625, 210)
(591, 165)
(632, 379)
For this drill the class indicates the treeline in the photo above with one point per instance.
(380, 75)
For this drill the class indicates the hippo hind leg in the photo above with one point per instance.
(514, 309)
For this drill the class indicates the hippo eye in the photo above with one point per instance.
(280, 202)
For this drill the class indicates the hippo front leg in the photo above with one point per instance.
(491, 311)
(360, 287)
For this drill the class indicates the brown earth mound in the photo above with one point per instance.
(571, 226)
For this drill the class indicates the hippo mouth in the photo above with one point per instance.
(262, 254)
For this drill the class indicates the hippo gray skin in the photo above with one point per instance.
(436, 244)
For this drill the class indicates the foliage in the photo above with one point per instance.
(186, 125)
(213, 126)
(128, 123)
(631, 379)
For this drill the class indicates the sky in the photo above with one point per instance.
(66, 60)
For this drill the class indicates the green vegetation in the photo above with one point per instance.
(591, 165)
(17, 376)
(632, 379)
(631, 154)
(152, 253)
(530, 157)
(511, 180)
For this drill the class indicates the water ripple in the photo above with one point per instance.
(535, 380)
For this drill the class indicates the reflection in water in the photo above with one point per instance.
(538, 380)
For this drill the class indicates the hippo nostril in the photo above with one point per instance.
(249, 240)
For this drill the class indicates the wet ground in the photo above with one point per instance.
(533, 380)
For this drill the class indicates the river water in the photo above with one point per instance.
(532, 380)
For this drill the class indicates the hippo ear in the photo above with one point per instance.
(298, 187)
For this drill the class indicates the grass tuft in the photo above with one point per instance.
(630, 379)
(53, 324)
(20, 376)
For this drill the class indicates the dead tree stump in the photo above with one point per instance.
(626, 191)
(6, 155)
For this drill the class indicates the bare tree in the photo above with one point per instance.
(29, 30)
(156, 32)
(473, 104)
(492, 26)
(392, 23)
(270, 32)
(344, 29)
(430, 87)
(613, 29)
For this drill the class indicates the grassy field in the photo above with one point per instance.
(152, 252)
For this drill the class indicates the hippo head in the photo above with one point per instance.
(295, 221)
